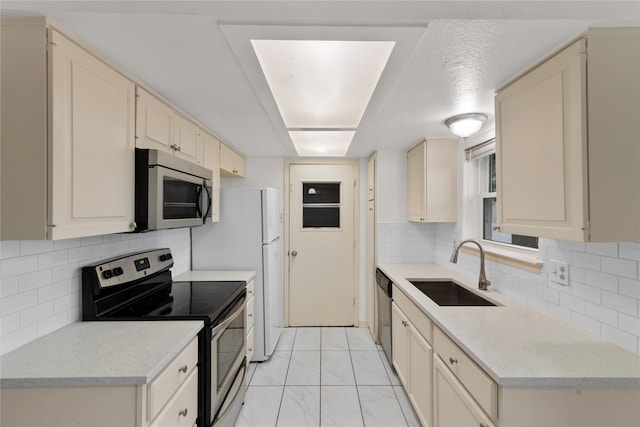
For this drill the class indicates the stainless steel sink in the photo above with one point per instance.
(448, 293)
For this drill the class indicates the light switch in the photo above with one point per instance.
(558, 272)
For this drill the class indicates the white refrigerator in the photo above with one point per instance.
(248, 238)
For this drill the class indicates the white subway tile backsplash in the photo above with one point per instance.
(40, 281)
(572, 246)
(33, 247)
(573, 303)
(620, 267)
(8, 286)
(630, 251)
(630, 324)
(629, 287)
(586, 323)
(36, 313)
(620, 303)
(600, 280)
(586, 261)
(586, 292)
(623, 339)
(602, 314)
(605, 249)
(34, 280)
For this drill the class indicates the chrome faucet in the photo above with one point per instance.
(482, 281)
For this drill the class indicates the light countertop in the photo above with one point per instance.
(215, 276)
(517, 345)
(97, 353)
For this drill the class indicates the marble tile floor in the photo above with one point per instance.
(325, 377)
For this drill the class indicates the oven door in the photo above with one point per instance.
(177, 199)
(228, 351)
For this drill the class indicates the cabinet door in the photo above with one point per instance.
(231, 163)
(210, 155)
(400, 344)
(186, 138)
(91, 152)
(453, 406)
(416, 182)
(154, 122)
(541, 150)
(441, 184)
(421, 375)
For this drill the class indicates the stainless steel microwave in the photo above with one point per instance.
(170, 192)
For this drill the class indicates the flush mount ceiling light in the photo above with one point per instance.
(322, 143)
(465, 125)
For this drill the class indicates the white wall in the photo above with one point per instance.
(40, 281)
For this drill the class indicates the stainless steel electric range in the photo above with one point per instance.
(139, 286)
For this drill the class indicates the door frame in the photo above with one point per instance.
(355, 164)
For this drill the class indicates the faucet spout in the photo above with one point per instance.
(483, 283)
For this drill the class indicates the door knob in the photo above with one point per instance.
(294, 253)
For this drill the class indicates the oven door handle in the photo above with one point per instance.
(237, 310)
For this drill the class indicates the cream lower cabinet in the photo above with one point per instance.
(169, 400)
(412, 358)
(567, 149)
(250, 318)
(67, 137)
(432, 181)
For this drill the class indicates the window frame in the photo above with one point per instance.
(476, 179)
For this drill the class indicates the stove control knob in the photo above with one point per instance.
(118, 271)
(107, 274)
(163, 257)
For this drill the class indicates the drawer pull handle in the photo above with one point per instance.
(405, 323)
(484, 425)
(183, 412)
(250, 315)
(452, 360)
(183, 369)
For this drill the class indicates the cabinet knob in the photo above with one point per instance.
(452, 360)
(405, 323)
(133, 225)
(250, 315)
(484, 425)
(183, 412)
(183, 369)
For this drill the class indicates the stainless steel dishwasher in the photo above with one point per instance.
(383, 294)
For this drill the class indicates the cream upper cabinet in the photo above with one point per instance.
(187, 142)
(432, 181)
(67, 136)
(231, 162)
(210, 147)
(160, 127)
(567, 147)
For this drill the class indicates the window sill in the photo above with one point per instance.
(523, 259)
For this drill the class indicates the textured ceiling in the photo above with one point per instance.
(451, 55)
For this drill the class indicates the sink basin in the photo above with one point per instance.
(448, 293)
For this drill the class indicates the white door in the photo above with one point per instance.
(322, 285)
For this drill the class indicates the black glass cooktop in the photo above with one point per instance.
(182, 300)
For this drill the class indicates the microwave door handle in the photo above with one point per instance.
(209, 200)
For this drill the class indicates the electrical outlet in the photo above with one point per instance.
(558, 272)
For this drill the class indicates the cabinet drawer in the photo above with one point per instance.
(249, 345)
(167, 382)
(420, 320)
(182, 408)
(483, 389)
